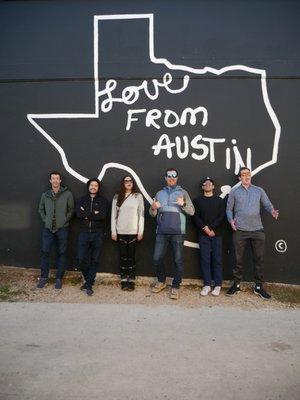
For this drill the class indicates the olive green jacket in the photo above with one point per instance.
(63, 204)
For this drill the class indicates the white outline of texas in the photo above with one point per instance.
(31, 117)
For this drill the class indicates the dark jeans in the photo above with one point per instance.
(88, 254)
(127, 246)
(211, 259)
(59, 238)
(161, 245)
(257, 243)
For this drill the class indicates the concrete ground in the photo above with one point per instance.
(137, 352)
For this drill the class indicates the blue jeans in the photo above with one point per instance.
(160, 249)
(60, 238)
(211, 259)
(88, 254)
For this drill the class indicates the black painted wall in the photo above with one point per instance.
(47, 67)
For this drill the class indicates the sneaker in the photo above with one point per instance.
(235, 288)
(216, 291)
(205, 290)
(41, 283)
(130, 286)
(83, 287)
(58, 284)
(89, 291)
(174, 294)
(158, 287)
(124, 285)
(259, 290)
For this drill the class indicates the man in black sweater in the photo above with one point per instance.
(209, 216)
(92, 211)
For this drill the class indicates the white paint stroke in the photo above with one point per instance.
(32, 117)
(131, 172)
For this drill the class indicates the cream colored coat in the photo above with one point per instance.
(129, 218)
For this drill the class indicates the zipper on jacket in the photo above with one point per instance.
(91, 209)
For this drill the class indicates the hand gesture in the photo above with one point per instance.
(180, 201)
(155, 205)
(275, 213)
(233, 226)
(206, 230)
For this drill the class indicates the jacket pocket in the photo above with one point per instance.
(169, 223)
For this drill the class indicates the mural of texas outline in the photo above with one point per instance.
(262, 73)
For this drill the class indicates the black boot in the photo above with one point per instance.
(84, 286)
(131, 286)
(124, 285)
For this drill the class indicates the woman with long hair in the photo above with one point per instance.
(127, 227)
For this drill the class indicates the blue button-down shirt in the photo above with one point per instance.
(244, 207)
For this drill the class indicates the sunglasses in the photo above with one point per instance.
(128, 180)
(171, 174)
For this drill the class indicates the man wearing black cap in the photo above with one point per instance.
(209, 216)
(92, 211)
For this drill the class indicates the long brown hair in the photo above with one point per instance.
(122, 194)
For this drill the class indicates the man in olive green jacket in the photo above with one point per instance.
(56, 209)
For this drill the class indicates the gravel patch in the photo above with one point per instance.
(19, 285)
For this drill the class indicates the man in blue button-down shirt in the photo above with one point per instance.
(243, 213)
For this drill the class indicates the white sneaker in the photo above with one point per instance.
(216, 291)
(205, 290)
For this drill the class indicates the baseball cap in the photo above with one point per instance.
(207, 179)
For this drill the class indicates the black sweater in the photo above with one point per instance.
(209, 211)
(85, 211)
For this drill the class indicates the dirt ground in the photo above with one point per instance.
(19, 285)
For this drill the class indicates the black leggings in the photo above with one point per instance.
(127, 245)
